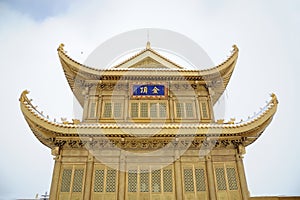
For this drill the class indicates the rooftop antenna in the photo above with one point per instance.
(148, 42)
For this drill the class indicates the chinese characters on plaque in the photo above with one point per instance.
(148, 90)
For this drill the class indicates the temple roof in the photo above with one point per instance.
(147, 65)
(49, 132)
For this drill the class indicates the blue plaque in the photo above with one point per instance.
(150, 90)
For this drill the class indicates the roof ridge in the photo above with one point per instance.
(234, 51)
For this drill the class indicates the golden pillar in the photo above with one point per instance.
(88, 177)
(210, 178)
(56, 173)
(241, 172)
(178, 179)
(122, 178)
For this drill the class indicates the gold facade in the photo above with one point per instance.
(148, 132)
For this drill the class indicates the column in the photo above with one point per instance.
(122, 178)
(171, 108)
(88, 177)
(210, 178)
(99, 107)
(56, 174)
(210, 105)
(126, 108)
(85, 107)
(178, 179)
(241, 172)
(198, 108)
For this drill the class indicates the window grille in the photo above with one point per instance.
(231, 177)
(220, 176)
(156, 180)
(134, 110)
(153, 110)
(117, 110)
(107, 110)
(144, 181)
(99, 180)
(66, 180)
(132, 181)
(93, 110)
(200, 180)
(148, 109)
(77, 182)
(162, 110)
(168, 180)
(188, 180)
(144, 110)
(111, 180)
(179, 110)
(189, 110)
(204, 110)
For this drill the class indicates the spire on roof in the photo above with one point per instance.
(148, 45)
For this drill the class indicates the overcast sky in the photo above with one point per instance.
(266, 32)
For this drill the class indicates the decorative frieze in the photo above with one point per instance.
(145, 144)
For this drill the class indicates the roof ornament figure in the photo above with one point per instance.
(61, 47)
(148, 45)
(23, 97)
(274, 99)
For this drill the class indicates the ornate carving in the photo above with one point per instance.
(146, 144)
(111, 86)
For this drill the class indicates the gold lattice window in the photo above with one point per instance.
(168, 180)
(204, 110)
(132, 181)
(189, 110)
(107, 110)
(179, 110)
(99, 180)
(156, 180)
(144, 181)
(112, 109)
(148, 109)
(92, 110)
(118, 110)
(134, 110)
(200, 180)
(162, 110)
(111, 180)
(144, 110)
(66, 180)
(221, 181)
(105, 179)
(231, 177)
(188, 180)
(72, 179)
(77, 182)
(185, 110)
(153, 110)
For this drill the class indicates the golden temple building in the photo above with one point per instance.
(147, 132)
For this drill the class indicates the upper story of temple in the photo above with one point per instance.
(147, 87)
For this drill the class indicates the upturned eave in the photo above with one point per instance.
(214, 77)
(48, 131)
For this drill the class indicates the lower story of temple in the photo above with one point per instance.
(170, 174)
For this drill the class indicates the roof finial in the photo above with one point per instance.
(148, 42)
(148, 45)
